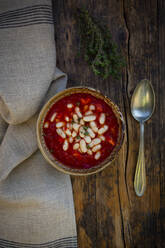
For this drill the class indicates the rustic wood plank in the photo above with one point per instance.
(108, 212)
(144, 222)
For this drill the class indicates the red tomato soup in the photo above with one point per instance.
(80, 130)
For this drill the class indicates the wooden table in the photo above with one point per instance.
(108, 212)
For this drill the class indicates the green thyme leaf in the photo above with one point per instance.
(86, 133)
(85, 128)
(97, 46)
(88, 147)
(78, 137)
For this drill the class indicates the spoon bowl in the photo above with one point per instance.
(142, 107)
(143, 101)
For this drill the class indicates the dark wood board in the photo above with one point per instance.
(108, 213)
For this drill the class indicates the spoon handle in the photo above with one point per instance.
(140, 174)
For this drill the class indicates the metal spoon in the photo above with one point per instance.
(142, 107)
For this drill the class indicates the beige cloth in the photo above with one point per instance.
(36, 202)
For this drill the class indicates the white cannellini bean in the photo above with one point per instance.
(89, 118)
(60, 124)
(97, 155)
(91, 133)
(103, 129)
(74, 134)
(76, 127)
(70, 139)
(102, 118)
(93, 126)
(68, 132)
(87, 139)
(96, 148)
(92, 107)
(76, 146)
(81, 135)
(77, 110)
(81, 132)
(67, 118)
(61, 133)
(65, 145)
(83, 146)
(95, 142)
(53, 117)
(89, 113)
(89, 151)
(82, 122)
(69, 105)
(102, 138)
(75, 118)
(46, 125)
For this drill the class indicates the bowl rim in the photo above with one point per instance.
(45, 151)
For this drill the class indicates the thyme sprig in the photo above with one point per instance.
(99, 50)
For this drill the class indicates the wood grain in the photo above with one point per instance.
(108, 212)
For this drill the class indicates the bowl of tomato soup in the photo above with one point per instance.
(80, 131)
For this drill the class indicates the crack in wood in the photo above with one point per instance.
(126, 98)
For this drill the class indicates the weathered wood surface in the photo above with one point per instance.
(108, 212)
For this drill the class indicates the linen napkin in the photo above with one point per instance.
(36, 201)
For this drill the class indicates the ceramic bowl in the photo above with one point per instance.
(47, 154)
